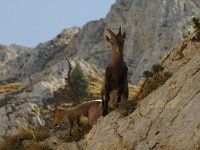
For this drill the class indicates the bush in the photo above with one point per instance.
(15, 141)
(79, 81)
(196, 23)
(80, 85)
(153, 79)
(196, 26)
(157, 68)
(147, 74)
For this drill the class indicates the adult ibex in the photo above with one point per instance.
(115, 83)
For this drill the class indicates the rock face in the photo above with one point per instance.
(21, 107)
(152, 27)
(19, 62)
(166, 119)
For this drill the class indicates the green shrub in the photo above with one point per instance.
(153, 79)
(196, 23)
(196, 26)
(79, 81)
(147, 74)
(157, 68)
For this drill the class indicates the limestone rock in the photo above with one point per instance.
(166, 118)
(18, 62)
(21, 107)
(152, 27)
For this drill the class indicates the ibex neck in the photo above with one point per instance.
(117, 58)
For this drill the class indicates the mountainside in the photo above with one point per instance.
(18, 63)
(152, 27)
(166, 119)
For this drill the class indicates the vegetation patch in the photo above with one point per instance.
(153, 79)
(196, 23)
(25, 139)
(9, 86)
(127, 107)
(196, 26)
(80, 81)
(77, 133)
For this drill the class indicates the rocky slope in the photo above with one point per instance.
(18, 63)
(20, 108)
(152, 27)
(166, 119)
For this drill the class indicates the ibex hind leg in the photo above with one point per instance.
(105, 107)
(123, 97)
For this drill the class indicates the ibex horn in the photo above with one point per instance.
(111, 33)
(120, 29)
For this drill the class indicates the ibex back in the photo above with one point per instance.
(115, 84)
(90, 110)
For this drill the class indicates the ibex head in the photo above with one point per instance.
(57, 118)
(116, 40)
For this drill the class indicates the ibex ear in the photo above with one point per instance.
(124, 34)
(107, 38)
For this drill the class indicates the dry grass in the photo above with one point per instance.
(152, 83)
(9, 86)
(33, 145)
(127, 107)
(96, 83)
(17, 141)
(77, 133)
(94, 87)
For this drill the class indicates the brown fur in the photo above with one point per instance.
(115, 83)
(89, 111)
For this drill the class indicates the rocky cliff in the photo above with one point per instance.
(165, 119)
(152, 27)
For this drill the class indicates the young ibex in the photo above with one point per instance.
(115, 83)
(89, 111)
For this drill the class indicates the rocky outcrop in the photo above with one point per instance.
(152, 27)
(21, 108)
(166, 119)
(19, 62)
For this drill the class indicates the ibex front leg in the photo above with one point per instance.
(107, 90)
(123, 88)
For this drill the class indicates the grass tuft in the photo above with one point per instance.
(16, 141)
(9, 86)
(127, 107)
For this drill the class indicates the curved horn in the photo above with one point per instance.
(120, 29)
(111, 33)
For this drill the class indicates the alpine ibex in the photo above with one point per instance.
(115, 83)
(89, 111)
